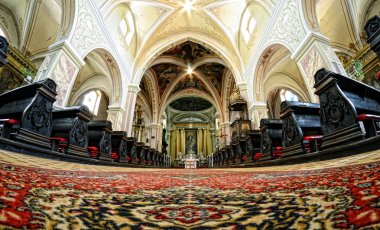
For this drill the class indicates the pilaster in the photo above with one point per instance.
(61, 64)
(315, 53)
(129, 108)
(257, 112)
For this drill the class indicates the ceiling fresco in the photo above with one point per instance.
(214, 73)
(166, 73)
(190, 82)
(205, 76)
(189, 51)
(144, 87)
(191, 104)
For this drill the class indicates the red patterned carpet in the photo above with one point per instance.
(337, 198)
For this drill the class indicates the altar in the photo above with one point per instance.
(190, 161)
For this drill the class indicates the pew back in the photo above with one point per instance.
(271, 136)
(31, 105)
(300, 119)
(71, 123)
(343, 99)
(99, 135)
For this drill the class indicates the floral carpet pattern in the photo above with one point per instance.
(335, 198)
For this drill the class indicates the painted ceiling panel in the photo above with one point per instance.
(166, 73)
(190, 104)
(189, 51)
(214, 73)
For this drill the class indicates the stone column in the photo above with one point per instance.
(199, 141)
(209, 143)
(257, 112)
(204, 142)
(115, 115)
(61, 64)
(313, 54)
(129, 108)
(183, 141)
(177, 143)
(140, 134)
(212, 140)
(155, 128)
(226, 132)
(169, 141)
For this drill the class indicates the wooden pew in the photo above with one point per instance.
(230, 155)
(240, 137)
(138, 156)
(223, 158)
(119, 146)
(220, 158)
(372, 28)
(145, 155)
(150, 156)
(217, 158)
(26, 113)
(131, 149)
(254, 145)
(349, 109)
(157, 158)
(99, 139)
(301, 128)
(271, 138)
(235, 149)
(70, 130)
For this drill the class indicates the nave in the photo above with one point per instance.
(271, 106)
(51, 194)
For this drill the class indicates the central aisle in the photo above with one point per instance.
(37, 193)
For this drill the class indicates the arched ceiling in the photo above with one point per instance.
(170, 70)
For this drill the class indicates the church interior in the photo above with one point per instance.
(189, 114)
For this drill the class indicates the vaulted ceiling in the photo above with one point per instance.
(187, 66)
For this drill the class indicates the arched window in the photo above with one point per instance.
(2, 32)
(127, 28)
(287, 95)
(251, 25)
(248, 25)
(92, 100)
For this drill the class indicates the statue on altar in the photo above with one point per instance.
(179, 156)
(190, 143)
(201, 158)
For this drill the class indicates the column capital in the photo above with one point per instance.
(154, 125)
(242, 85)
(257, 106)
(225, 124)
(133, 88)
(115, 108)
(66, 46)
(307, 42)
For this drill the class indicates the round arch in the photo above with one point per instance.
(309, 12)
(113, 71)
(211, 43)
(189, 93)
(262, 67)
(214, 94)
